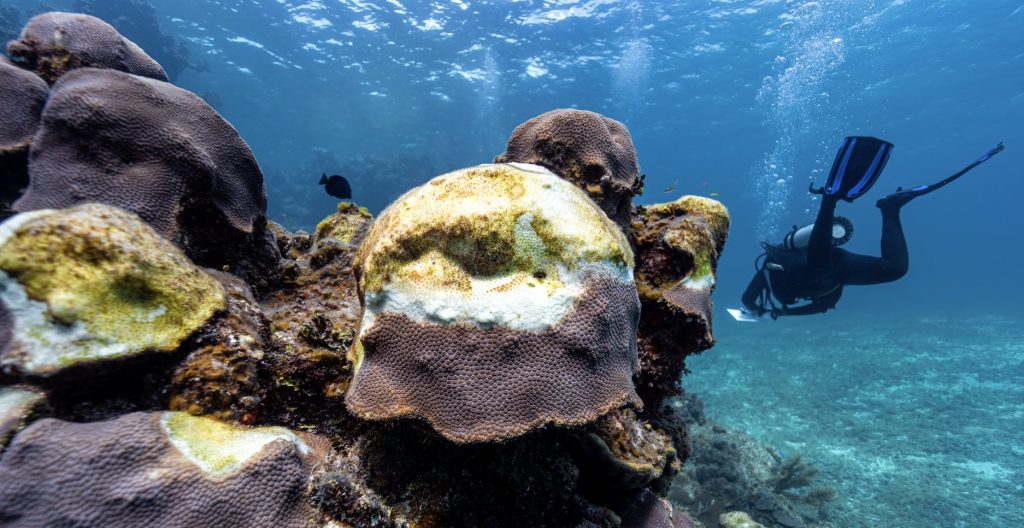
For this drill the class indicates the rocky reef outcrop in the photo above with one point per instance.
(22, 96)
(496, 349)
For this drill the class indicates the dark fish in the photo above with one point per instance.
(671, 188)
(337, 186)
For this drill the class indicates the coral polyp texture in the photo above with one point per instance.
(22, 96)
(158, 469)
(94, 282)
(487, 314)
(592, 151)
(54, 43)
(677, 244)
(153, 149)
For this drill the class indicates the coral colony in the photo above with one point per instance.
(497, 348)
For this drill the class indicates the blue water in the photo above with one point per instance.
(747, 100)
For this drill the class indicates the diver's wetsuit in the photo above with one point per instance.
(819, 272)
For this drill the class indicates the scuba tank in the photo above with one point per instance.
(799, 237)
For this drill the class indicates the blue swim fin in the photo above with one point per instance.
(858, 165)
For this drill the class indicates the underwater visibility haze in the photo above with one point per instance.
(901, 407)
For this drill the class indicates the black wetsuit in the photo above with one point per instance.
(819, 272)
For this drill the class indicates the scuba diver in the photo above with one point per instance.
(810, 266)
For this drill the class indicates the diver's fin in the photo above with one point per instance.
(927, 188)
(858, 164)
(900, 197)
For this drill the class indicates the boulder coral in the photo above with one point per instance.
(54, 43)
(155, 150)
(593, 152)
(158, 469)
(94, 283)
(22, 96)
(678, 245)
(489, 315)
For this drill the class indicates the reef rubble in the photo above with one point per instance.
(498, 348)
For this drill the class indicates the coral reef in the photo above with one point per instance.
(94, 283)
(469, 359)
(728, 471)
(488, 315)
(22, 96)
(314, 312)
(160, 152)
(677, 245)
(54, 43)
(158, 469)
(593, 152)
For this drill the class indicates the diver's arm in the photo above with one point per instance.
(810, 308)
(818, 305)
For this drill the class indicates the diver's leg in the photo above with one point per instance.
(753, 292)
(852, 268)
(820, 245)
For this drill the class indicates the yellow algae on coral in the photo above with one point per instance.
(218, 448)
(94, 282)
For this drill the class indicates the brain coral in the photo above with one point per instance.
(22, 96)
(497, 299)
(152, 149)
(53, 43)
(677, 246)
(592, 151)
(94, 282)
(155, 470)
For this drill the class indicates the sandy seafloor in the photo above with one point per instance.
(915, 421)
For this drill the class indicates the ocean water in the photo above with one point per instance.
(909, 396)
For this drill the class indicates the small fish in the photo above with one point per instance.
(713, 194)
(671, 188)
(337, 186)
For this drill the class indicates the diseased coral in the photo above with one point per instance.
(19, 406)
(157, 151)
(488, 315)
(22, 96)
(54, 43)
(677, 245)
(95, 283)
(593, 152)
(159, 469)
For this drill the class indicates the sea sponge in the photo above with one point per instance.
(94, 282)
(22, 96)
(152, 149)
(677, 245)
(53, 43)
(497, 299)
(592, 151)
(158, 469)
